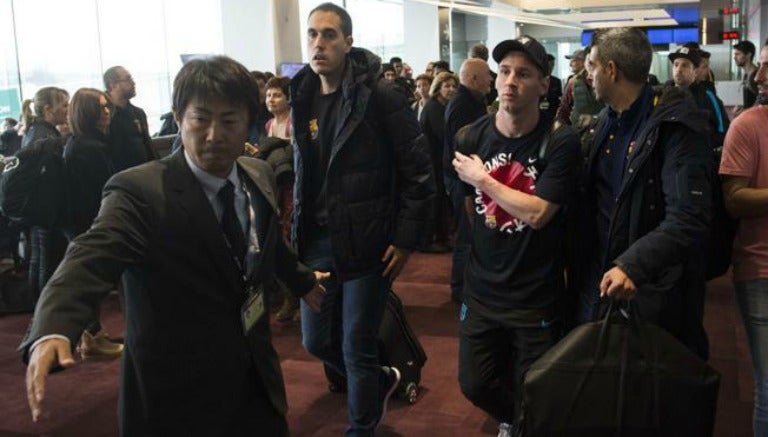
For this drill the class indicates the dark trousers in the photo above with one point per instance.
(46, 252)
(461, 245)
(494, 355)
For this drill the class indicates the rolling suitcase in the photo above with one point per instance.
(398, 347)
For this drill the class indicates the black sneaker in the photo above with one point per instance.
(393, 379)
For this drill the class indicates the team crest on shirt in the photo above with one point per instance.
(513, 174)
(313, 128)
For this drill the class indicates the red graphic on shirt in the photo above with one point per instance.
(512, 174)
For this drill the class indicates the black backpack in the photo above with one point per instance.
(33, 184)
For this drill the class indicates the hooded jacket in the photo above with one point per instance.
(380, 186)
(661, 218)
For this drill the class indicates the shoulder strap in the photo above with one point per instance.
(547, 139)
(716, 109)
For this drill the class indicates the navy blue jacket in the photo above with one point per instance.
(380, 188)
(661, 218)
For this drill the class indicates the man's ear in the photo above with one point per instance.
(612, 71)
(349, 40)
(177, 118)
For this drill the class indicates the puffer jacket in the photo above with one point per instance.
(380, 185)
(661, 218)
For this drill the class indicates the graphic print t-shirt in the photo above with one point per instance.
(511, 265)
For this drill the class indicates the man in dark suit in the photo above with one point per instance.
(193, 236)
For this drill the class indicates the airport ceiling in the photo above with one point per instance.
(577, 14)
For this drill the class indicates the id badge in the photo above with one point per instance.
(253, 309)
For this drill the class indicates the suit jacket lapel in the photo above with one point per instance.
(191, 198)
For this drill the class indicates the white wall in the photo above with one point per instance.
(422, 42)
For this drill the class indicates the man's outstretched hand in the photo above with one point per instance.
(43, 357)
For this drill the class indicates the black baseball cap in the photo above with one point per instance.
(745, 46)
(527, 45)
(693, 55)
(694, 45)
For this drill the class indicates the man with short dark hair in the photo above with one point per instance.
(743, 55)
(194, 236)
(646, 195)
(363, 201)
(128, 131)
(515, 188)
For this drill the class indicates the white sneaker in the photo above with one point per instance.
(506, 430)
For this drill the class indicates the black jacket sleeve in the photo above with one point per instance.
(415, 181)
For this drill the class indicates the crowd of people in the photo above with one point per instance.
(555, 197)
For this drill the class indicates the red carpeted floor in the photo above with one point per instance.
(83, 400)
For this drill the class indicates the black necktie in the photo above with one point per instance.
(229, 222)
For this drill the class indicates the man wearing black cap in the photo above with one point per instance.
(515, 188)
(704, 74)
(685, 64)
(743, 55)
(578, 104)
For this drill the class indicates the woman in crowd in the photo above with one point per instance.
(276, 149)
(423, 82)
(433, 125)
(88, 167)
(41, 115)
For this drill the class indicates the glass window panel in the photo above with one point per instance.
(53, 50)
(152, 55)
(378, 26)
(10, 98)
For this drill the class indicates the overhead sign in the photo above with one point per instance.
(731, 36)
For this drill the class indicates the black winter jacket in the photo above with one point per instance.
(661, 218)
(380, 188)
(39, 130)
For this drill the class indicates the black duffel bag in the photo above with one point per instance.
(619, 377)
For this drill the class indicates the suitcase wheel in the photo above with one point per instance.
(411, 393)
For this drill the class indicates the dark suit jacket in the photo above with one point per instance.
(188, 369)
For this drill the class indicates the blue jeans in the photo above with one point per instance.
(344, 334)
(752, 297)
